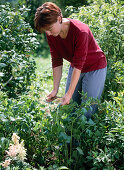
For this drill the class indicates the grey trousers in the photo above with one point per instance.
(91, 83)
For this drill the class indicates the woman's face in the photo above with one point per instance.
(54, 29)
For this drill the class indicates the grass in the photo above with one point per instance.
(44, 73)
(42, 64)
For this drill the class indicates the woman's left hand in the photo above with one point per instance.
(66, 99)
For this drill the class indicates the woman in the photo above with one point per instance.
(72, 40)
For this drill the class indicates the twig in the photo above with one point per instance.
(7, 82)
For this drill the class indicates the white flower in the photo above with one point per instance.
(21, 151)
(6, 163)
(15, 138)
(17, 150)
(13, 150)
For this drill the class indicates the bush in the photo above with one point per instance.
(106, 22)
(114, 79)
(21, 117)
(17, 42)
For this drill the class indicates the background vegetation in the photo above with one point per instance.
(56, 138)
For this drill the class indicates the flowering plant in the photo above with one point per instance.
(16, 152)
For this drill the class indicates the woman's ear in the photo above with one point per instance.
(60, 19)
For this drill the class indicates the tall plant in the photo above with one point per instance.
(17, 42)
(106, 22)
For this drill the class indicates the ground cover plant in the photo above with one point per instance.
(58, 137)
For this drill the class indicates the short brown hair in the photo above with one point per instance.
(46, 15)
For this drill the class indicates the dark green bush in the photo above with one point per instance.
(17, 42)
(106, 22)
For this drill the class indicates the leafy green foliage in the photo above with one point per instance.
(114, 79)
(21, 117)
(56, 136)
(64, 134)
(17, 41)
(106, 22)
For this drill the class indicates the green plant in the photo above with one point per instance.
(16, 44)
(16, 152)
(111, 155)
(93, 144)
(56, 136)
(114, 79)
(106, 22)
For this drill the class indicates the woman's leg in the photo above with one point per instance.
(93, 84)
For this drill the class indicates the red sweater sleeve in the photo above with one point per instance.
(81, 49)
(57, 60)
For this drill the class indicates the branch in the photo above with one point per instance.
(7, 82)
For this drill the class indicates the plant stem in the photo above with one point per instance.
(71, 140)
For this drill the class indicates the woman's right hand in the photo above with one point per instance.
(52, 96)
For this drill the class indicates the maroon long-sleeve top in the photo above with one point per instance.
(79, 48)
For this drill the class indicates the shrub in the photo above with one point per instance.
(106, 22)
(114, 79)
(21, 116)
(17, 42)
(94, 144)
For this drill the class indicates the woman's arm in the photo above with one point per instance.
(74, 80)
(57, 74)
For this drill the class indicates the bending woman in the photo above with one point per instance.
(72, 40)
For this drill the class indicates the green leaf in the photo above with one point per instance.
(83, 110)
(62, 167)
(90, 122)
(1, 74)
(2, 65)
(12, 118)
(65, 137)
(80, 151)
